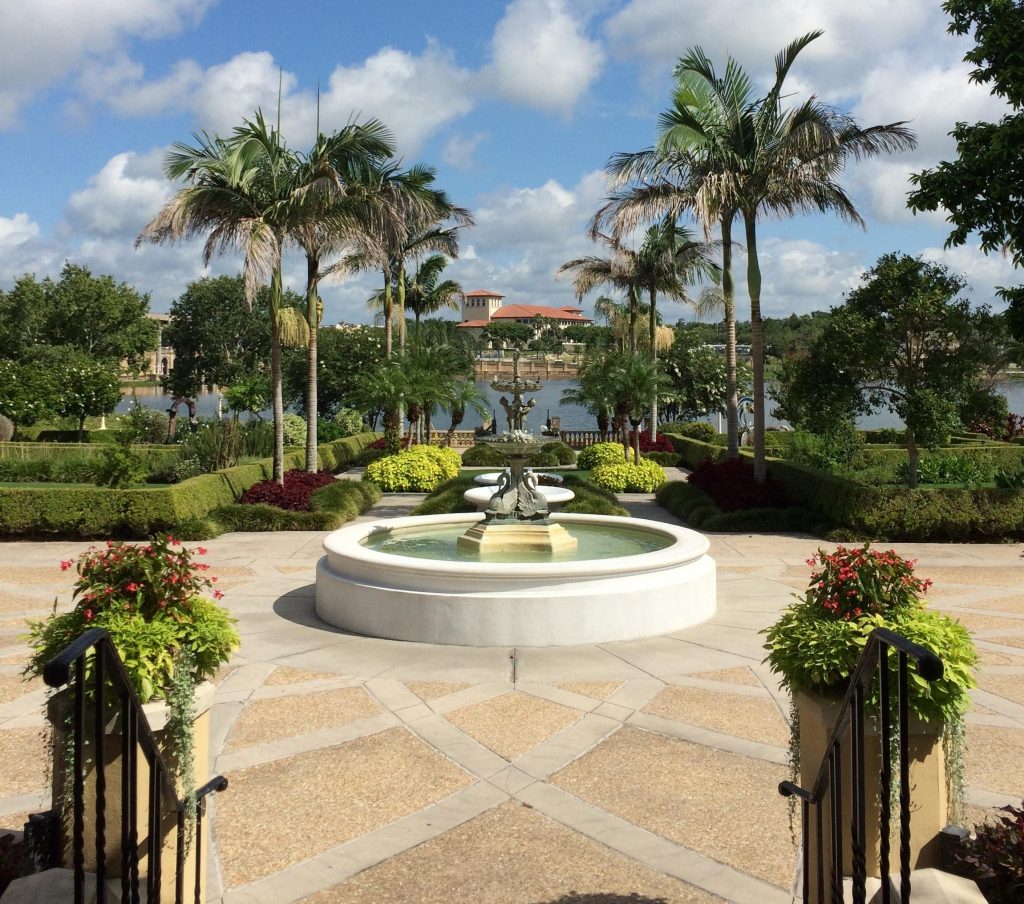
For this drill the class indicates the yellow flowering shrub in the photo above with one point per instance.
(626, 477)
(600, 454)
(416, 470)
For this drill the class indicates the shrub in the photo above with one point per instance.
(562, 453)
(731, 485)
(483, 455)
(693, 451)
(701, 430)
(418, 469)
(832, 452)
(626, 477)
(694, 507)
(294, 430)
(367, 455)
(591, 499)
(143, 425)
(348, 421)
(150, 600)
(214, 444)
(951, 468)
(119, 466)
(661, 444)
(591, 457)
(542, 460)
(665, 459)
(994, 857)
(6, 429)
(447, 499)
(294, 494)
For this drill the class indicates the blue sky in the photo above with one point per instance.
(518, 105)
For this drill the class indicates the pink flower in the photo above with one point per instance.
(66, 564)
(131, 587)
(217, 595)
(88, 614)
(201, 550)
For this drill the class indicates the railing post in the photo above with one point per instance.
(99, 758)
(885, 778)
(78, 784)
(904, 717)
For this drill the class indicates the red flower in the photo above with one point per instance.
(201, 550)
(66, 564)
(88, 614)
(131, 586)
(217, 595)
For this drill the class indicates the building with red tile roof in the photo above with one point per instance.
(482, 306)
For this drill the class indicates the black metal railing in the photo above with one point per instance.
(827, 788)
(99, 687)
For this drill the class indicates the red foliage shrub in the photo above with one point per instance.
(661, 444)
(293, 495)
(731, 485)
(1013, 427)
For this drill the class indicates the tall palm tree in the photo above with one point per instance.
(724, 152)
(242, 193)
(343, 158)
(466, 397)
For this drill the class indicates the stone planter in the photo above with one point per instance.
(157, 714)
(928, 790)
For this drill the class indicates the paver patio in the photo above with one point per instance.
(374, 770)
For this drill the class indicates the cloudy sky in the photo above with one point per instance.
(518, 106)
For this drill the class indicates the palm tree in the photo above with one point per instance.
(724, 152)
(243, 195)
(384, 389)
(636, 380)
(466, 396)
(425, 292)
(342, 158)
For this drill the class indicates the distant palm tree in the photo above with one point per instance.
(385, 389)
(467, 396)
(243, 195)
(425, 292)
(724, 152)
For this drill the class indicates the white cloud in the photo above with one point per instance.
(541, 55)
(458, 150)
(121, 198)
(46, 40)
(16, 230)
(120, 85)
(983, 272)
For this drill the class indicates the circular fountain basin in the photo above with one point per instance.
(555, 497)
(490, 479)
(660, 579)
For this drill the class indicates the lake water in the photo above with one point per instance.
(548, 405)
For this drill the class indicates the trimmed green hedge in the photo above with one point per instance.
(99, 512)
(697, 509)
(692, 451)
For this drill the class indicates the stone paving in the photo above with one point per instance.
(366, 770)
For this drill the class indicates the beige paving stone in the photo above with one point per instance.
(995, 759)
(14, 822)
(599, 690)
(976, 623)
(981, 575)
(285, 717)
(1008, 640)
(37, 576)
(982, 710)
(13, 686)
(1013, 604)
(511, 855)
(434, 690)
(974, 815)
(1009, 686)
(24, 761)
(741, 569)
(744, 717)
(513, 723)
(278, 813)
(739, 675)
(17, 602)
(990, 657)
(286, 675)
(18, 659)
(720, 804)
(296, 569)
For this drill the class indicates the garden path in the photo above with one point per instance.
(371, 770)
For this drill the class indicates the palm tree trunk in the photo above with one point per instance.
(389, 313)
(652, 332)
(732, 402)
(634, 304)
(756, 342)
(401, 305)
(277, 392)
(313, 322)
(636, 441)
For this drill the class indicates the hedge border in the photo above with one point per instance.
(100, 512)
(889, 513)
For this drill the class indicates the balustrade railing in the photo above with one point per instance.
(823, 879)
(100, 689)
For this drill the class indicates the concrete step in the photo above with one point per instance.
(927, 886)
(57, 886)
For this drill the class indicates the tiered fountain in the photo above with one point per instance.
(518, 576)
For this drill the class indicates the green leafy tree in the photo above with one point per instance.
(696, 374)
(85, 386)
(980, 189)
(218, 340)
(510, 333)
(28, 391)
(343, 354)
(465, 397)
(93, 314)
(904, 340)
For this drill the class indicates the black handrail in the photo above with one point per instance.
(69, 667)
(829, 778)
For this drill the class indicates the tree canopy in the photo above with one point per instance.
(980, 189)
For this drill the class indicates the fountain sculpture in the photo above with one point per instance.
(517, 517)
